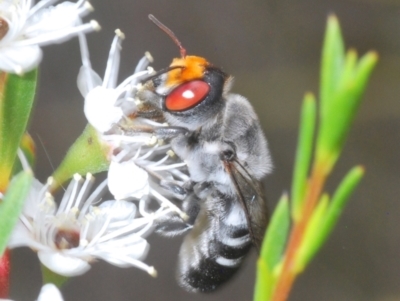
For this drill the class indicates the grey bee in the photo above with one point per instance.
(218, 135)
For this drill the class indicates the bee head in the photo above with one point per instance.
(191, 88)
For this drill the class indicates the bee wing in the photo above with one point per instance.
(251, 197)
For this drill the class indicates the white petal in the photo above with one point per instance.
(20, 59)
(36, 203)
(86, 76)
(63, 265)
(50, 292)
(53, 18)
(124, 255)
(100, 108)
(126, 180)
(138, 250)
(118, 210)
(19, 237)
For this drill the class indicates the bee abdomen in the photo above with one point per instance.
(207, 276)
(213, 260)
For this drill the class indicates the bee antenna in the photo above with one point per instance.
(162, 71)
(168, 32)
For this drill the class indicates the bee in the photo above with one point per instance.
(218, 135)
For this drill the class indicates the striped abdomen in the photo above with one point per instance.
(216, 246)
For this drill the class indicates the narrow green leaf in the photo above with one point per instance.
(339, 201)
(325, 217)
(264, 282)
(309, 245)
(349, 68)
(12, 204)
(87, 155)
(16, 101)
(303, 153)
(364, 69)
(345, 101)
(335, 126)
(277, 233)
(332, 62)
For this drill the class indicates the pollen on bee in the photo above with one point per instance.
(193, 67)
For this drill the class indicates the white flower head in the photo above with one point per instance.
(80, 230)
(110, 108)
(24, 27)
(127, 180)
(106, 103)
(129, 175)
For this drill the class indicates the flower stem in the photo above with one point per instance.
(289, 272)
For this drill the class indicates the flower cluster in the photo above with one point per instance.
(81, 229)
(113, 111)
(84, 227)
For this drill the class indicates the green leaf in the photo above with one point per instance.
(272, 249)
(276, 235)
(349, 67)
(344, 103)
(331, 62)
(12, 204)
(363, 71)
(310, 242)
(264, 282)
(339, 201)
(303, 153)
(16, 100)
(325, 217)
(88, 154)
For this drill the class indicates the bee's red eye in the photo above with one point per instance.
(187, 95)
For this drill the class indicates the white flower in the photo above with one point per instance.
(78, 232)
(105, 102)
(25, 27)
(126, 180)
(109, 109)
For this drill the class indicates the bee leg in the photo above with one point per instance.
(149, 114)
(169, 132)
(178, 191)
(202, 190)
(173, 225)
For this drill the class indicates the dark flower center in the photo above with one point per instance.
(66, 239)
(3, 28)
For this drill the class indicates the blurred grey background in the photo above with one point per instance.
(273, 49)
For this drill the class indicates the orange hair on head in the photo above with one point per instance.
(193, 67)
